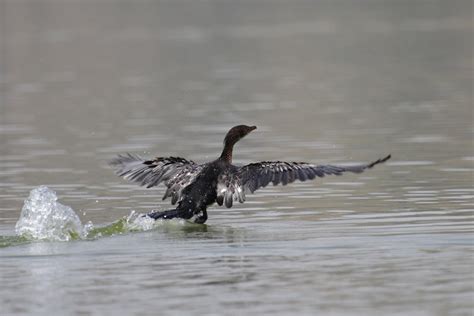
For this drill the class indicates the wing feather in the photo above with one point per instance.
(233, 184)
(175, 172)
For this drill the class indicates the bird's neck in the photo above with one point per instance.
(227, 152)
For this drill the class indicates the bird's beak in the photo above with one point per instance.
(253, 127)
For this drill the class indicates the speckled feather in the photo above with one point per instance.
(233, 185)
(177, 173)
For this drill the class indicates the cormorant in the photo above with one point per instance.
(196, 186)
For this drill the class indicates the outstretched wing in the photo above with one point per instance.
(175, 172)
(232, 186)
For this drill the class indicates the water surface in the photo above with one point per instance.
(324, 81)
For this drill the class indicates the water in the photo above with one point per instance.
(324, 81)
(43, 218)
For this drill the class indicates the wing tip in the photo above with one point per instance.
(378, 161)
(123, 158)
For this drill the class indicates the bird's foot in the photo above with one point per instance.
(200, 218)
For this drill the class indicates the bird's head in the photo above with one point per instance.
(236, 133)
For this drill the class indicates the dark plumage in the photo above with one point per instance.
(196, 186)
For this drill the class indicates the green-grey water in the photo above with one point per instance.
(325, 81)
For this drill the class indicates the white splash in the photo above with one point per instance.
(137, 222)
(44, 218)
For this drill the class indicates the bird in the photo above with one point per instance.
(193, 187)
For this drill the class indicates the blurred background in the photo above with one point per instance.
(325, 81)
